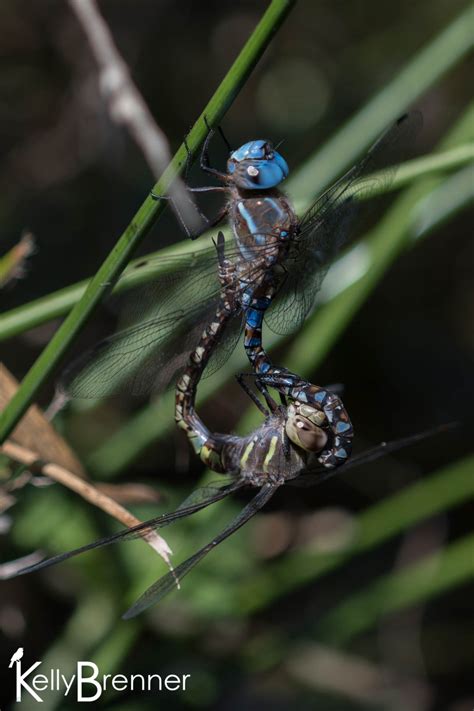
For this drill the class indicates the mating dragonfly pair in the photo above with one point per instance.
(229, 290)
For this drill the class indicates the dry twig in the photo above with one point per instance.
(127, 106)
(13, 265)
(87, 491)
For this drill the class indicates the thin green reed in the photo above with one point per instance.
(146, 216)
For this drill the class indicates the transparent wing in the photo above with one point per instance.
(160, 324)
(233, 334)
(198, 500)
(329, 222)
(316, 474)
(168, 582)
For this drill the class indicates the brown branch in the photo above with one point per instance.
(87, 491)
(13, 265)
(127, 106)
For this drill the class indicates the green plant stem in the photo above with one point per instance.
(416, 583)
(445, 160)
(446, 200)
(425, 68)
(62, 301)
(146, 216)
(376, 525)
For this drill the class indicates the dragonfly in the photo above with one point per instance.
(296, 253)
(281, 450)
(272, 252)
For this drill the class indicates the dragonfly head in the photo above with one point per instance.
(257, 166)
(303, 427)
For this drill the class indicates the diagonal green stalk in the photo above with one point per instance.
(427, 66)
(146, 216)
(445, 160)
(416, 583)
(378, 524)
(62, 301)
(361, 610)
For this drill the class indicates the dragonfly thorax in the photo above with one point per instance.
(265, 455)
(257, 166)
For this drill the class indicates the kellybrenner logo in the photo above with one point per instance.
(88, 682)
(16, 657)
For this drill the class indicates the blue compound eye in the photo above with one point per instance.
(282, 164)
(266, 173)
(249, 151)
(257, 166)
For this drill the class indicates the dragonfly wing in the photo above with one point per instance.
(306, 266)
(226, 346)
(160, 323)
(198, 500)
(165, 584)
(315, 474)
(137, 360)
(327, 225)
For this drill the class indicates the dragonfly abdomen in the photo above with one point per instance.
(207, 446)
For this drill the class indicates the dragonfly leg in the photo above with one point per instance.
(208, 223)
(240, 379)
(271, 403)
(204, 161)
(224, 138)
(286, 446)
(204, 189)
(182, 222)
(273, 406)
(221, 133)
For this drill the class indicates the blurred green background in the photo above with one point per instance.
(353, 595)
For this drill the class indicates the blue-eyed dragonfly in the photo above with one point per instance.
(273, 252)
(282, 450)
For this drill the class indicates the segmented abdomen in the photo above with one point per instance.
(205, 444)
